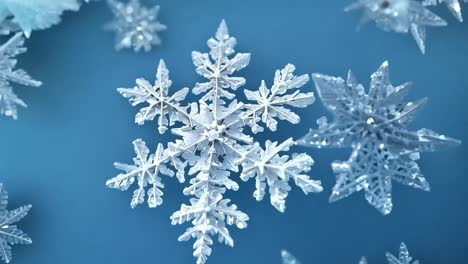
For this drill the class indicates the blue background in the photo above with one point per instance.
(60, 152)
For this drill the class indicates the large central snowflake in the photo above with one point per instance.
(213, 144)
(400, 16)
(375, 125)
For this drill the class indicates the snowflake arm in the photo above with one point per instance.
(363, 261)
(453, 5)
(400, 16)
(288, 258)
(9, 232)
(8, 74)
(271, 103)
(375, 125)
(268, 166)
(403, 258)
(135, 26)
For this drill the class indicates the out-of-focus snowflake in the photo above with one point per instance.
(135, 26)
(213, 144)
(400, 16)
(375, 125)
(9, 233)
(29, 15)
(453, 6)
(8, 99)
(403, 258)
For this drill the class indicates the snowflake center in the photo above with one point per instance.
(215, 131)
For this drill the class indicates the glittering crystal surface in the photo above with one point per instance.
(375, 125)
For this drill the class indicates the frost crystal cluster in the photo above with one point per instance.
(8, 74)
(9, 233)
(375, 126)
(400, 16)
(403, 258)
(213, 144)
(135, 26)
(453, 6)
(29, 15)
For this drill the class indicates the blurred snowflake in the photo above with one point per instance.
(453, 5)
(135, 26)
(375, 126)
(400, 16)
(288, 258)
(8, 99)
(29, 15)
(10, 234)
(213, 143)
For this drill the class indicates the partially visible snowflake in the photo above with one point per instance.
(213, 144)
(400, 16)
(135, 26)
(31, 15)
(453, 6)
(403, 258)
(375, 125)
(9, 233)
(8, 99)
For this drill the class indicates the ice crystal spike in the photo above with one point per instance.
(403, 258)
(135, 26)
(363, 261)
(8, 74)
(402, 16)
(375, 126)
(212, 146)
(10, 234)
(453, 5)
(32, 15)
(288, 258)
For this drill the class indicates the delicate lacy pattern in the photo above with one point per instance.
(375, 125)
(213, 145)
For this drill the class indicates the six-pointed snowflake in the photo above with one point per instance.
(400, 16)
(375, 125)
(8, 99)
(135, 26)
(9, 233)
(213, 144)
(453, 6)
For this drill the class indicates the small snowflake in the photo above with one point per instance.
(453, 5)
(212, 143)
(135, 26)
(9, 233)
(8, 99)
(403, 258)
(288, 258)
(375, 125)
(400, 16)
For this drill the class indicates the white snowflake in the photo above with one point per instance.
(375, 125)
(31, 15)
(135, 26)
(8, 99)
(9, 232)
(453, 5)
(213, 144)
(400, 16)
(288, 258)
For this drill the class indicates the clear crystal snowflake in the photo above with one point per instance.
(8, 99)
(375, 125)
(9, 233)
(400, 16)
(31, 15)
(403, 258)
(212, 142)
(453, 6)
(135, 26)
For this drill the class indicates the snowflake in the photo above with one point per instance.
(135, 26)
(212, 143)
(400, 16)
(453, 5)
(8, 99)
(10, 234)
(288, 258)
(31, 15)
(375, 126)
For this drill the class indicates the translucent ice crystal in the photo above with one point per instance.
(375, 125)
(453, 5)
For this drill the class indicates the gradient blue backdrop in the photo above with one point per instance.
(59, 154)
